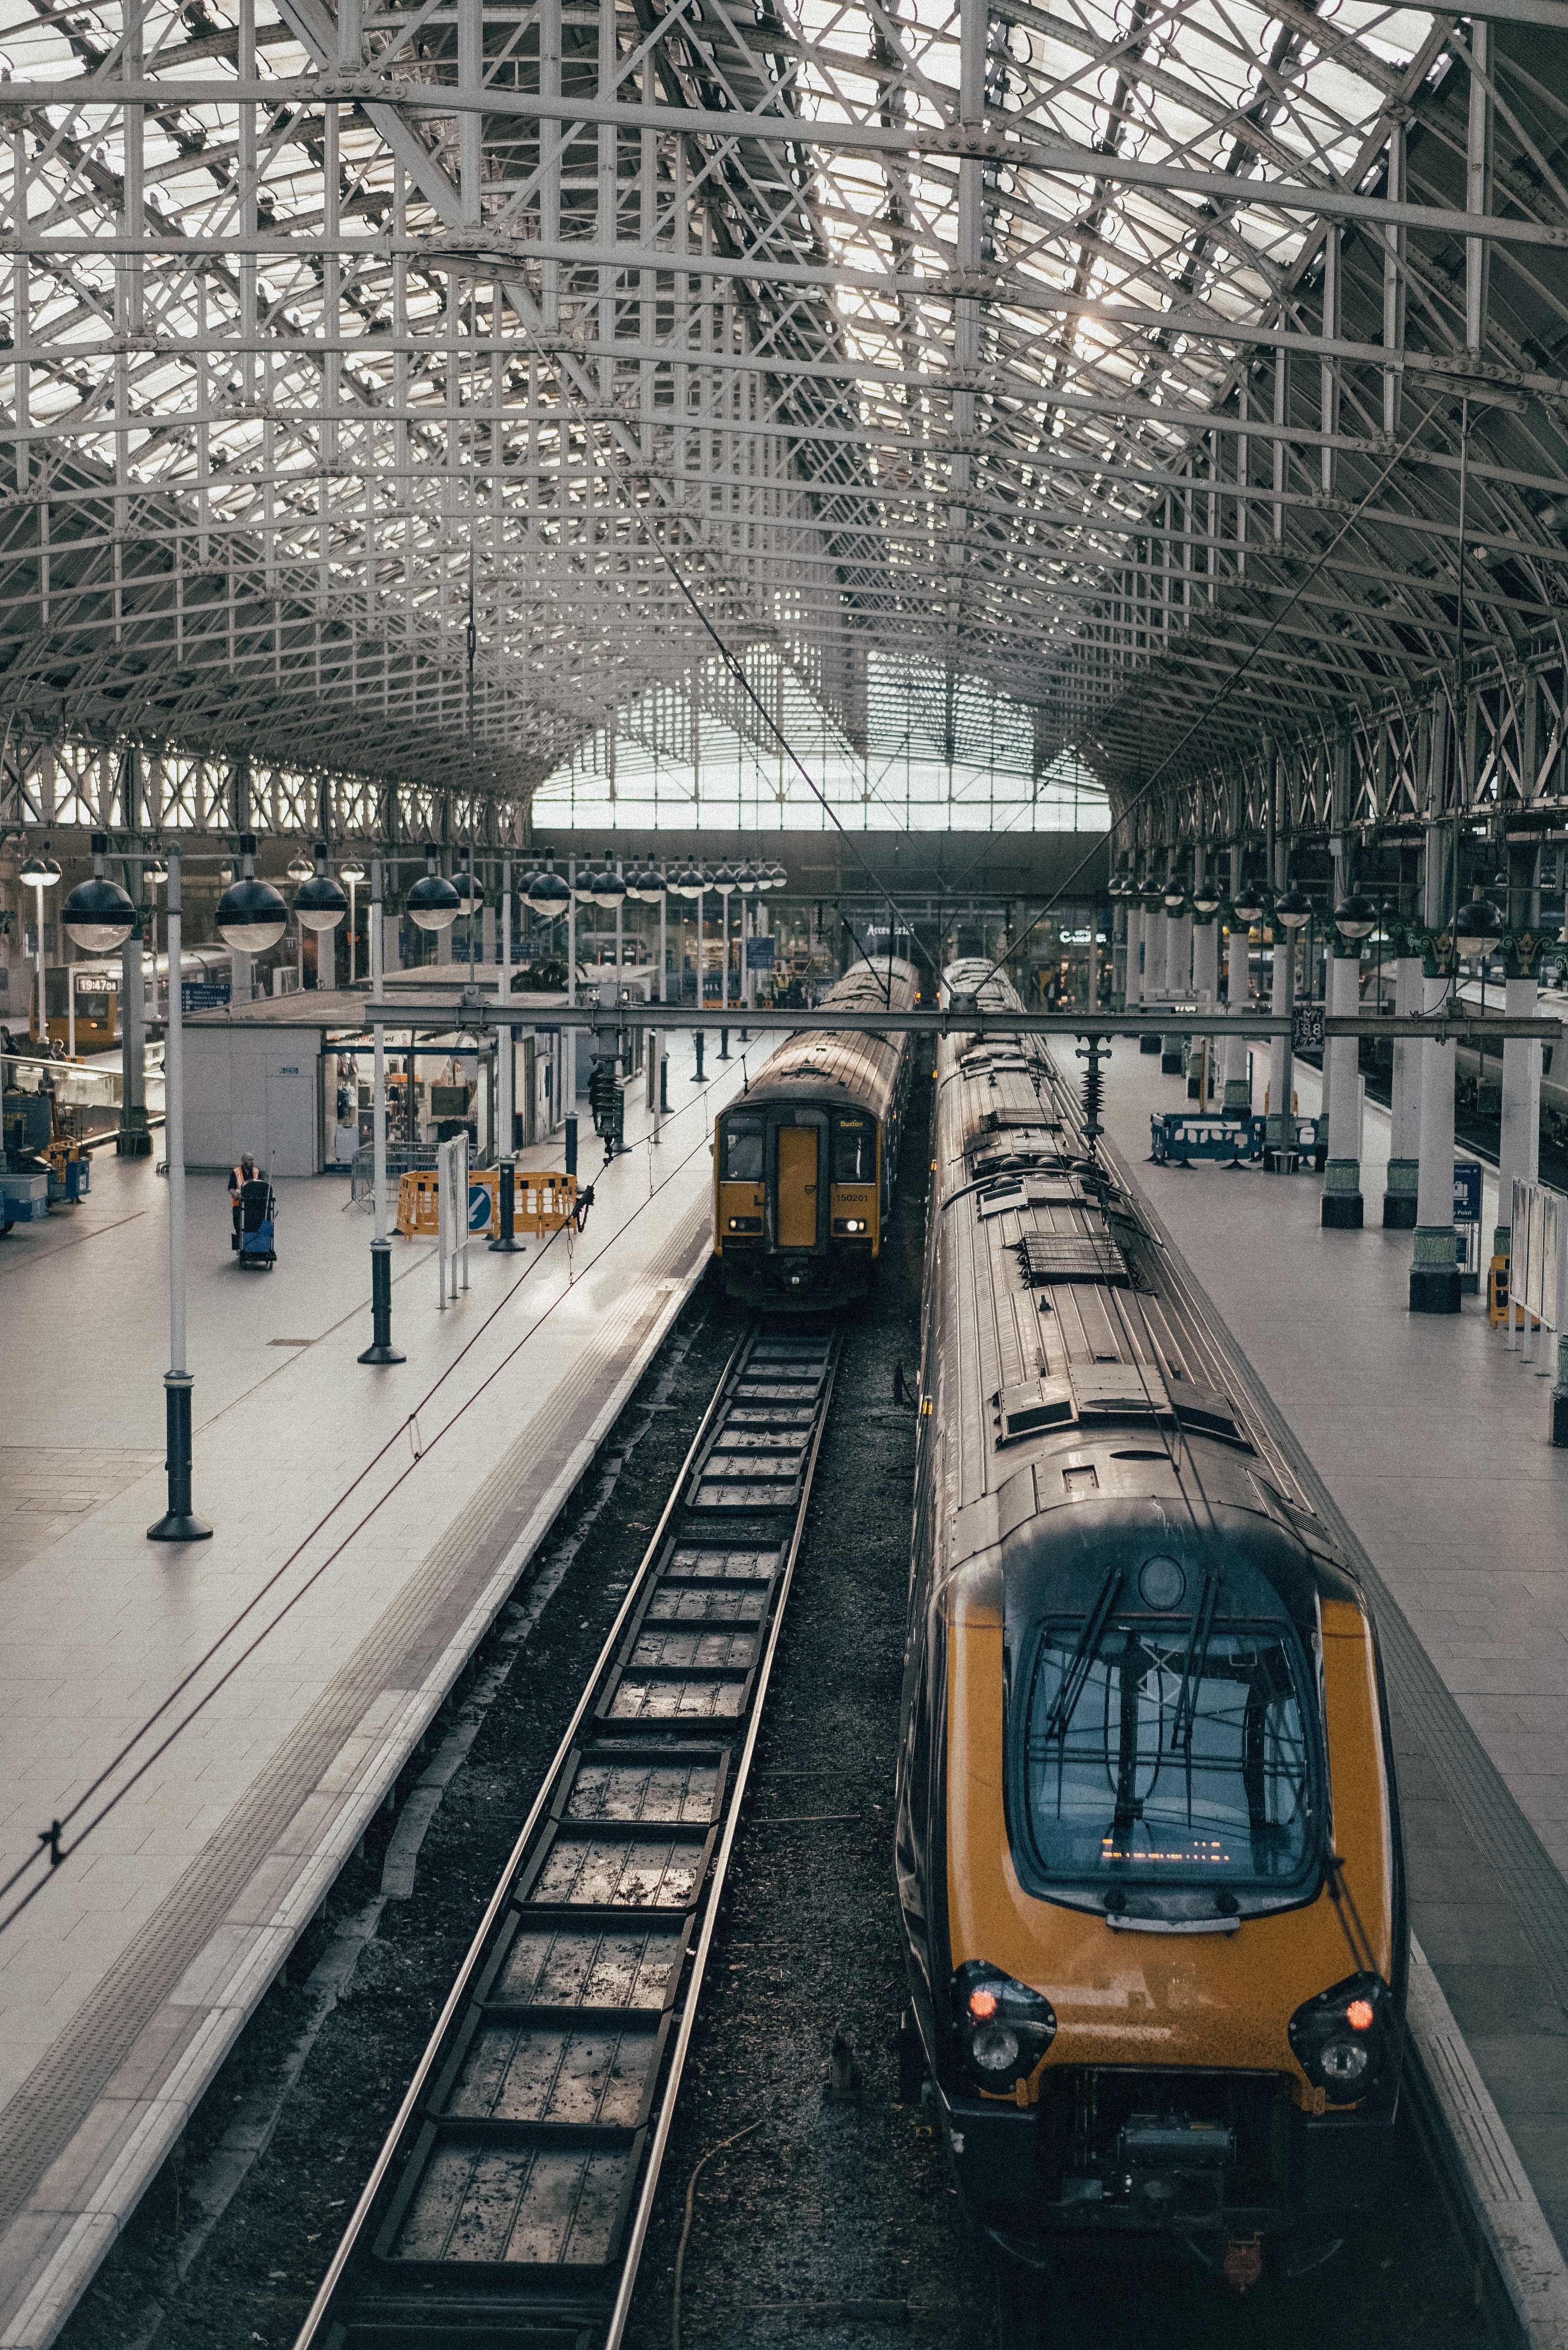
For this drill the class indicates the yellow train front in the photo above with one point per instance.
(804, 1161)
(1148, 1853)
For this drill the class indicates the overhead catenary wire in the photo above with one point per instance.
(51, 1847)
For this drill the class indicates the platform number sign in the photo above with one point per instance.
(1307, 1027)
(1467, 1192)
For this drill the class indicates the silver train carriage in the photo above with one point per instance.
(804, 1162)
(1147, 1846)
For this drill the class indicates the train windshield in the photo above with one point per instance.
(854, 1150)
(743, 1150)
(1168, 1751)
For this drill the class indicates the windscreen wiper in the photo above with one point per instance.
(1193, 1665)
(1065, 1703)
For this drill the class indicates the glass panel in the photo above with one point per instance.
(743, 1150)
(1145, 1784)
(853, 1150)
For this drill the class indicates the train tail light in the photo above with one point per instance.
(1003, 2027)
(1341, 2038)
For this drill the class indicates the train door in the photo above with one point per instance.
(799, 1185)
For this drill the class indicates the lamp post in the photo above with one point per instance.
(380, 1348)
(1293, 911)
(41, 873)
(351, 875)
(177, 1524)
(505, 1242)
(1354, 920)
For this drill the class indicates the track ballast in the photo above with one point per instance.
(509, 2204)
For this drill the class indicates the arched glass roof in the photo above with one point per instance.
(428, 389)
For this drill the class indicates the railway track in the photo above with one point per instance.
(508, 2207)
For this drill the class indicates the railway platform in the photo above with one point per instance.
(1428, 1439)
(215, 1725)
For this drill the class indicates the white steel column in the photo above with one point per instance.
(1519, 1149)
(1341, 1201)
(1434, 1271)
(1238, 1096)
(1405, 1124)
(1282, 1073)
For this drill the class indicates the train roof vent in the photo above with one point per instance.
(1204, 1411)
(1051, 1257)
(1119, 1391)
(1026, 1190)
(1032, 1407)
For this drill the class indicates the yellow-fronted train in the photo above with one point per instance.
(804, 1162)
(1147, 1845)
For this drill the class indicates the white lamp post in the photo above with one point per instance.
(178, 1524)
(380, 1348)
(351, 873)
(41, 873)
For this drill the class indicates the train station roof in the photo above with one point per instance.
(426, 390)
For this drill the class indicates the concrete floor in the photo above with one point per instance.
(1431, 1438)
(214, 1722)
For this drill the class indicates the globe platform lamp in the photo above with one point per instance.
(320, 905)
(1247, 904)
(1205, 899)
(433, 905)
(1477, 928)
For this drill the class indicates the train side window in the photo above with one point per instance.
(743, 1150)
(854, 1150)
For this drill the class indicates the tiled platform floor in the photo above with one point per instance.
(240, 1706)
(1431, 1438)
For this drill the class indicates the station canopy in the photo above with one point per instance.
(465, 394)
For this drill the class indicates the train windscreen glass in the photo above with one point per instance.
(854, 1150)
(743, 1150)
(1168, 1753)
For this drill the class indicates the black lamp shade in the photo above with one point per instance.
(1477, 927)
(320, 903)
(433, 903)
(98, 916)
(1293, 911)
(1356, 917)
(252, 917)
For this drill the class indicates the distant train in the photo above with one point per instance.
(97, 985)
(803, 1163)
(1148, 1848)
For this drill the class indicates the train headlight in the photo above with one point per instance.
(1341, 2037)
(1003, 2027)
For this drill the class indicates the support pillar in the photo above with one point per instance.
(1281, 1071)
(1178, 954)
(1434, 1272)
(1238, 1096)
(1342, 1202)
(1519, 1146)
(1404, 1125)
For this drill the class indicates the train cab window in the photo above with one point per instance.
(854, 1150)
(1170, 1752)
(742, 1161)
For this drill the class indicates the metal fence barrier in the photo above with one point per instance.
(1538, 1268)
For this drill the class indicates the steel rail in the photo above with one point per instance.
(760, 1439)
(497, 1899)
